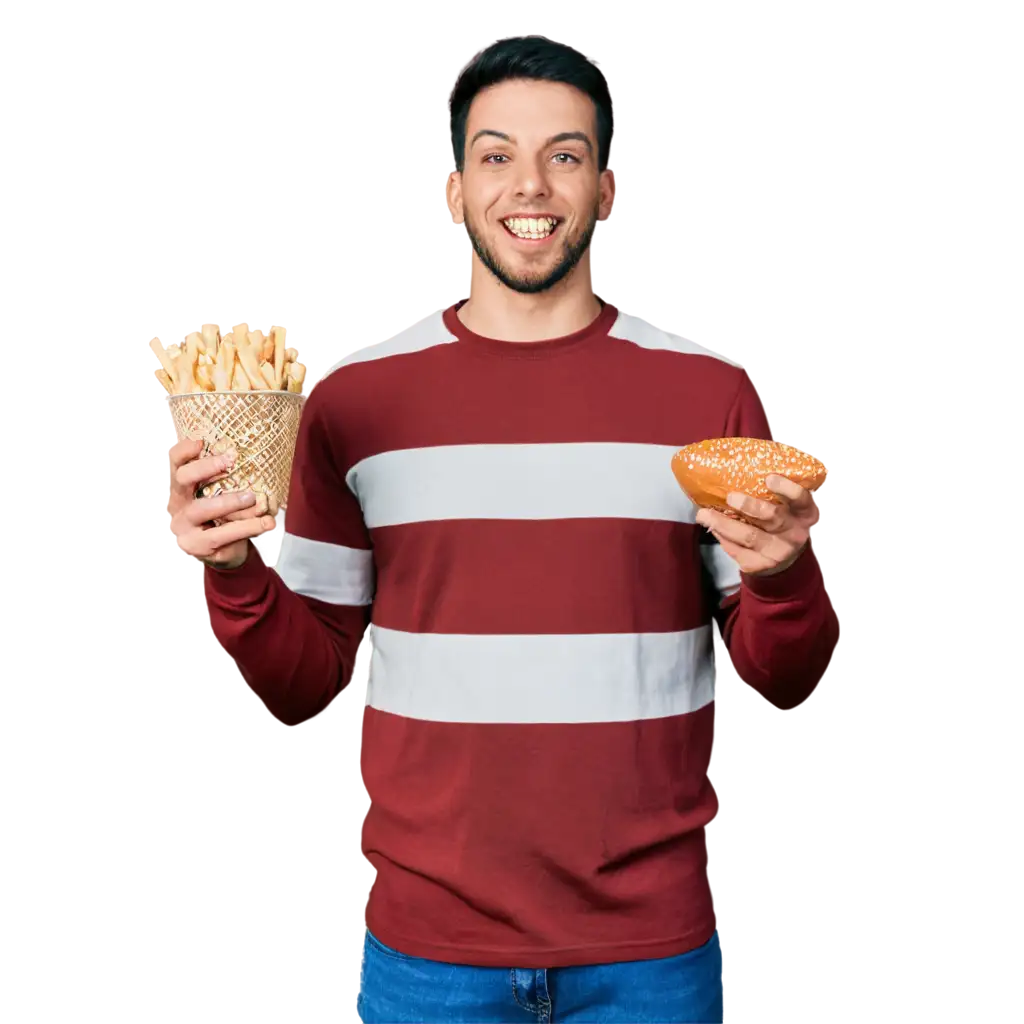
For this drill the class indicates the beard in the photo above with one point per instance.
(572, 253)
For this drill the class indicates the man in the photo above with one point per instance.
(492, 490)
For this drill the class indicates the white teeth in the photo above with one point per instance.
(530, 227)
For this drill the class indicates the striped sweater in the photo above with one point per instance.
(503, 519)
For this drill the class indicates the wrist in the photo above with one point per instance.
(784, 584)
(782, 566)
(232, 566)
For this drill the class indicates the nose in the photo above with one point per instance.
(531, 181)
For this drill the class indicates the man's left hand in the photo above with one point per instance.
(780, 536)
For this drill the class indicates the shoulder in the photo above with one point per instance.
(351, 392)
(646, 336)
(422, 335)
(678, 364)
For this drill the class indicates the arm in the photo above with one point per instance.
(780, 630)
(294, 630)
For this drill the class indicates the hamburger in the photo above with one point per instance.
(708, 471)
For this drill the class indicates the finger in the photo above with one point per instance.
(205, 510)
(205, 543)
(184, 451)
(798, 497)
(771, 516)
(747, 560)
(203, 470)
(261, 507)
(741, 534)
(771, 556)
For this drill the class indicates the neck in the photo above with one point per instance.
(496, 311)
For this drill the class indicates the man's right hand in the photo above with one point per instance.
(242, 515)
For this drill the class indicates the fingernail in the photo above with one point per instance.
(735, 500)
(246, 498)
(268, 523)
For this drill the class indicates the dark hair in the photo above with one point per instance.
(532, 57)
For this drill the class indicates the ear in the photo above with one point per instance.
(606, 195)
(454, 195)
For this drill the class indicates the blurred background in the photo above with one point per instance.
(827, 194)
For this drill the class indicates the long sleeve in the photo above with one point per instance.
(780, 630)
(294, 630)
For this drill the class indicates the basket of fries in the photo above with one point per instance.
(240, 393)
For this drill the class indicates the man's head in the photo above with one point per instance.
(531, 124)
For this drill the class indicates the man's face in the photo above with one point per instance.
(531, 155)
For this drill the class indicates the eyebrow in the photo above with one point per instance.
(554, 140)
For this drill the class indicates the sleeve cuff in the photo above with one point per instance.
(800, 577)
(246, 582)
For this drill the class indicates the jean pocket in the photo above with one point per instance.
(375, 944)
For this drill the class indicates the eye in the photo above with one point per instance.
(571, 156)
(494, 156)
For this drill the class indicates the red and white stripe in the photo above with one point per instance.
(541, 697)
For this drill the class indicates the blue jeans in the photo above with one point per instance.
(396, 989)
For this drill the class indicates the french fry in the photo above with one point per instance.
(250, 365)
(192, 343)
(239, 381)
(204, 378)
(192, 350)
(185, 382)
(211, 335)
(195, 338)
(241, 360)
(297, 375)
(155, 368)
(268, 375)
(165, 361)
(267, 353)
(226, 356)
(157, 372)
(224, 367)
(278, 333)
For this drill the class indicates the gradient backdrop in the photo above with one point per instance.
(164, 855)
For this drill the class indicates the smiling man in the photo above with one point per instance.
(492, 490)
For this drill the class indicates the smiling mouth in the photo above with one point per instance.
(531, 229)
